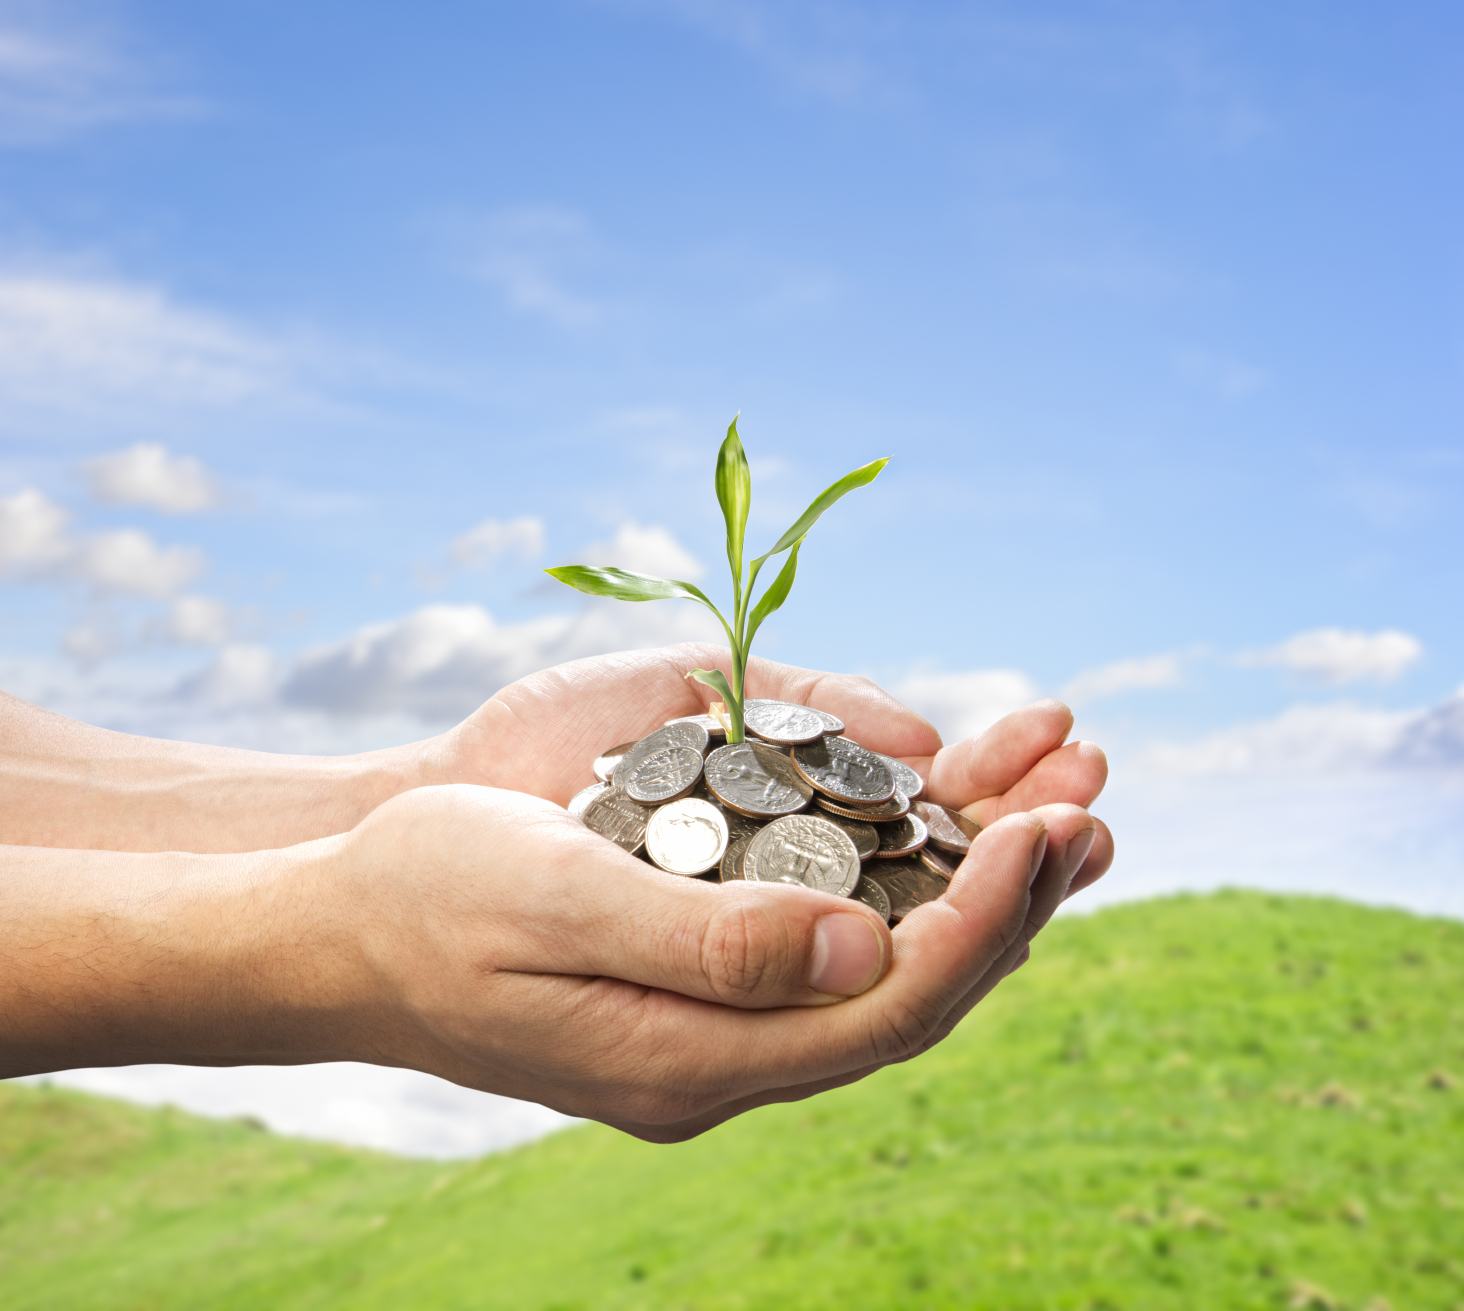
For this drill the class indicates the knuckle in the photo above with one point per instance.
(739, 954)
(902, 1031)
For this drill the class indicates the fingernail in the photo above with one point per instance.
(1078, 849)
(848, 955)
(1039, 854)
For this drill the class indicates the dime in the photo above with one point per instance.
(938, 862)
(897, 807)
(615, 816)
(906, 779)
(664, 775)
(871, 892)
(845, 771)
(757, 780)
(782, 723)
(605, 763)
(908, 883)
(732, 858)
(949, 829)
(831, 723)
(902, 838)
(866, 836)
(714, 729)
(673, 735)
(583, 797)
(686, 837)
(805, 849)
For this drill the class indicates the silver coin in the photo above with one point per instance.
(845, 771)
(758, 780)
(938, 861)
(714, 729)
(949, 829)
(581, 799)
(606, 761)
(686, 837)
(897, 807)
(871, 892)
(615, 816)
(804, 849)
(866, 836)
(906, 779)
(782, 723)
(908, 883)
(902, 838)
(731, 868)
(664, 775)
(672, 735)
(831, 723)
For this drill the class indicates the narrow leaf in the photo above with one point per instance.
(717, 681)
(774, 596)
(734, 494)
(859, 478)
(623, 585)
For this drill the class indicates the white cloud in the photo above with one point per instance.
(34, 545)
(1333, 738)
(241, 677)
(649, 550)
(491, 540)
(1336, 656)
(147, 475)
(1124, 676)
(530, 254)
(198, 621)
(963, 704)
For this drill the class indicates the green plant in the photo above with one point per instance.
(734, 494)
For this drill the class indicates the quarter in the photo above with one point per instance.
(686, 837)
(845, 771)
(949, 829)
(581, 799)
(803, 849)
(831, 723)
(897, 807)
(672, 735)
(908, 883)
(606, 761)
(902, 838)
(782, 723)
(906, 779)
(871, 892)
(757, 780)
(731, 868)
(664, 775)
(866, 836)
(615, 816)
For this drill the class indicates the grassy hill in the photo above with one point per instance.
(1231, 1101)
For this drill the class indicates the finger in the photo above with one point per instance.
(1098, 863)
(1074, 774)
(989, 765)
(593, 910)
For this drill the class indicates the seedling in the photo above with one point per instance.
(734, 493)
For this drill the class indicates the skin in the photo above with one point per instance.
(435, 907)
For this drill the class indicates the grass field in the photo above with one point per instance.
(1204, 1102)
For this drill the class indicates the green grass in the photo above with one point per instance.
(1231, 1101)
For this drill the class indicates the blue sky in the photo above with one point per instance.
(324, 327)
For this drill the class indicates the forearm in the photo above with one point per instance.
(118, 958)
(66, 784)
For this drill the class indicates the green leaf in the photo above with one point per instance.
(774, 596)
(717, 681)
(623, 585)
(734, 494)
(859, 478)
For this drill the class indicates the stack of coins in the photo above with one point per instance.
(797, 802)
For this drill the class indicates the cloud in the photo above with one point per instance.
(1124, 676)
(1336, 656)
(35, 546)
(198, 621)
(963, 704)
(1341, 737)
(530, 254)
(649, 550)
(147, 475)
(242, 676)
(490, 540)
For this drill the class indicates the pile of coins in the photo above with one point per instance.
(797, 802)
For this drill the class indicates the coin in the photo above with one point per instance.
(845, 771)
(782, 723)
(939, 862)
(714, 729)
(686, 837)
(908, 883)
(906, 779)
(897, 807)
(871, 892)
(754, 779)
(673, 735)
(615, 816)
(866, 836)
(949, 829)
(731, 868)
(606, 761)
(902, 838)
(805, 849)
(664, 775)
(583, 797)
(831, 723)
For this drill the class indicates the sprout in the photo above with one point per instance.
(734, 493)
